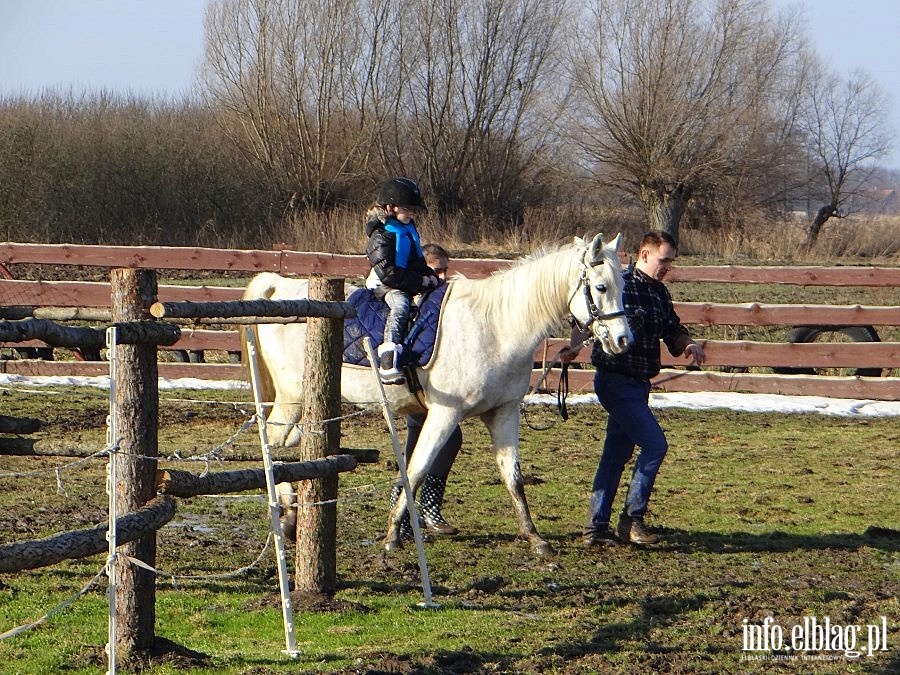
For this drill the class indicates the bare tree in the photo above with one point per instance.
(845, 126)
(295, 79)
(674, 94)
(325, 93)
(471, 111)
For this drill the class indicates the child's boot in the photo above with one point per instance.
(431, 500)
(388, 356)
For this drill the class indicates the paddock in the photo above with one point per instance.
(764, 516)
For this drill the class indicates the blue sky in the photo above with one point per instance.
(142, 46)
(155, 46)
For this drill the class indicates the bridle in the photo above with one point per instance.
(596, 316)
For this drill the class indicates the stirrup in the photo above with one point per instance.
(388, 356)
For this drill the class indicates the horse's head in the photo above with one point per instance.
(596, 302)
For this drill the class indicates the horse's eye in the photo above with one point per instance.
(600, 288)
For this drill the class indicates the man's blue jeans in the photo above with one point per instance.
(630, 423)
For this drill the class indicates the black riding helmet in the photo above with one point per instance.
(400, 191)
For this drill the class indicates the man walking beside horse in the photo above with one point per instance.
(622, 384)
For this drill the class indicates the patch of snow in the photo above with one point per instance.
(694, 401)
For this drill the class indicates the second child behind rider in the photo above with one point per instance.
(399, 271)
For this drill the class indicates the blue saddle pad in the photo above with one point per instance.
(371, 315)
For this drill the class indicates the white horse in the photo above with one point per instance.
(483, 358)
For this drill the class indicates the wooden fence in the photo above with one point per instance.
(725, 358)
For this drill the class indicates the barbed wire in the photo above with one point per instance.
(237, 404)
(42, 392)
(357, 492)
(58, 469)
(241, 571)
(214, 455)
(174, 578)
(56, 610)
(216, 452)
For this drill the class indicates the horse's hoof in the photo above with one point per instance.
(543, 549)
(392, 545)
(289, 529)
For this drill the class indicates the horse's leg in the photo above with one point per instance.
(393, 539)
(503, 424)
(438, 426)
(282, 430)
(287, 503)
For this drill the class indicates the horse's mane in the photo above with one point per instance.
(526, 294)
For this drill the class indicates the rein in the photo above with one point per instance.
(596, 316)
(562, 387)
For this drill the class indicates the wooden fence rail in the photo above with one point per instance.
(19, 299)
(23, 298)
(303, 263)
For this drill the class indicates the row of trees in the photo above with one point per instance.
(106, 169)
(709, 109)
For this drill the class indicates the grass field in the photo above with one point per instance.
(768, 520)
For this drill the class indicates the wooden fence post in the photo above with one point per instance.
(137, 407)
(315, 562)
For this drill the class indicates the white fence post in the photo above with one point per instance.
(112, 446)
(274, 511)
(407, 489)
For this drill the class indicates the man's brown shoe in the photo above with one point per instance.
(599, 538)
(633, 530)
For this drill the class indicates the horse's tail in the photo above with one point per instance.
(261, 287)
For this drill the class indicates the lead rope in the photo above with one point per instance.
(562, 391)
(562, 387)
(533, 390)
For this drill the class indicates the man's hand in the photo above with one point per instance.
(695, 353)
(569, 352)
(430, 282)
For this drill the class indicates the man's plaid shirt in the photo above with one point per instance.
(652, 317)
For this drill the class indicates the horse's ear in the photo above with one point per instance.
(617, 242)
(580, 243)
(596, 250)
